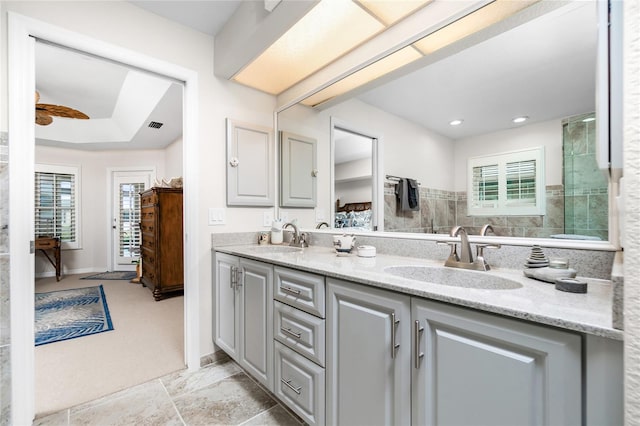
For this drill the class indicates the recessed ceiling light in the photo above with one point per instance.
(456, 122)
(521, 119)
(586, 120)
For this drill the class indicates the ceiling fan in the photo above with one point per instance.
(44, 112)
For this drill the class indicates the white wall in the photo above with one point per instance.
(547, 134)
(123, 24)
(173, 159)
(94, 201)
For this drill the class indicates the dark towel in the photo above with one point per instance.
(408, 195)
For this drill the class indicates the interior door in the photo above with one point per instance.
(126, 238)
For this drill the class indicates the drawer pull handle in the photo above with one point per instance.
(290, 386)
(417, 331)
(394, 325)
(290, 332)
(290, 290)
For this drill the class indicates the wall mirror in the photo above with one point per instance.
(543, 69)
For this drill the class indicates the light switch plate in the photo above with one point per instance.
(320, 216)
(216, 216)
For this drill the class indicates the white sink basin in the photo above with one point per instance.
(275, 249)
(453, 277)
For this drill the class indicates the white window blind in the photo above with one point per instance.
(130, 237)
(507, 184)
(57, 204)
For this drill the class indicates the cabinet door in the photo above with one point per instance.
(224, 302)
(256, 317)
(483, 369)
(298, 170)
(250, 163)
(368, 356)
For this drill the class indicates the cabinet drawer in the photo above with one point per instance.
(300, 331)
(148, 198)
(302, 290)
(299, 383)
(149, 241)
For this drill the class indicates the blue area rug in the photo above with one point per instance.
(67, 314)
(114, 275)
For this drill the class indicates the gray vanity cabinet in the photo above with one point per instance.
(243, 313)
(298, 170)
(368, 356)
(483, 369)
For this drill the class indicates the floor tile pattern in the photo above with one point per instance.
(219, 393)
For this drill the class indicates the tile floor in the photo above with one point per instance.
(219, 393)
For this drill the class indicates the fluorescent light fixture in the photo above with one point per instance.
(370, 73)
(390, 12)
(331, 29)
(456, 122)
(476, 21)
(520, 119)
(588, 119)
(328, 31)
(472, 23)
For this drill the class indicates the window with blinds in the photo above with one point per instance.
(129, 201)
(507, 184)
(57, 203)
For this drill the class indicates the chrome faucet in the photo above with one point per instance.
(298, 239)
(465, 247)
(321, 224)
(465, 260)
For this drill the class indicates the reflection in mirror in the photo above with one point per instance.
(543, 69)
(353, 180)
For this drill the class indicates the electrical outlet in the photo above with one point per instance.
(320, 216)
(267, 218)
(284, 216)
(216, 216)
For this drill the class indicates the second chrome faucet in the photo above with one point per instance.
(465, 259)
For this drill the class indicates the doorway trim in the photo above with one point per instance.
(377, 168)
(22, 32)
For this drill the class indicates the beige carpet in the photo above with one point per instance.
(147, 342)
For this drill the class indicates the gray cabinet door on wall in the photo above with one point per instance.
(482, 369)
(298, 170)
(250, 163)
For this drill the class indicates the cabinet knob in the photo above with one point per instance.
(314, 172)
(234, 162)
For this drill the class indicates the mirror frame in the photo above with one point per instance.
(612, 244)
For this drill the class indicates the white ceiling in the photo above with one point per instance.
(112, 94)
(544, 69)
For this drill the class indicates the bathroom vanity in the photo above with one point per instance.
(399, 340)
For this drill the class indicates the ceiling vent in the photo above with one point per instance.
(155, 125)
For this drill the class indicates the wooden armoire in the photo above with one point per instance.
(162, 247)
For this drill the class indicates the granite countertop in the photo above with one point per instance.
(535, 301)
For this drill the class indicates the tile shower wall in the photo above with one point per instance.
(441, 210)
(5, 336)
(586, 193)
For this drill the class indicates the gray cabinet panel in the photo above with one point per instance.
(299, 383)
(224, 302)
(256, 310)
(368, 376)
(298, 170)
(483, 369)
(250, 165)
(243, 314)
